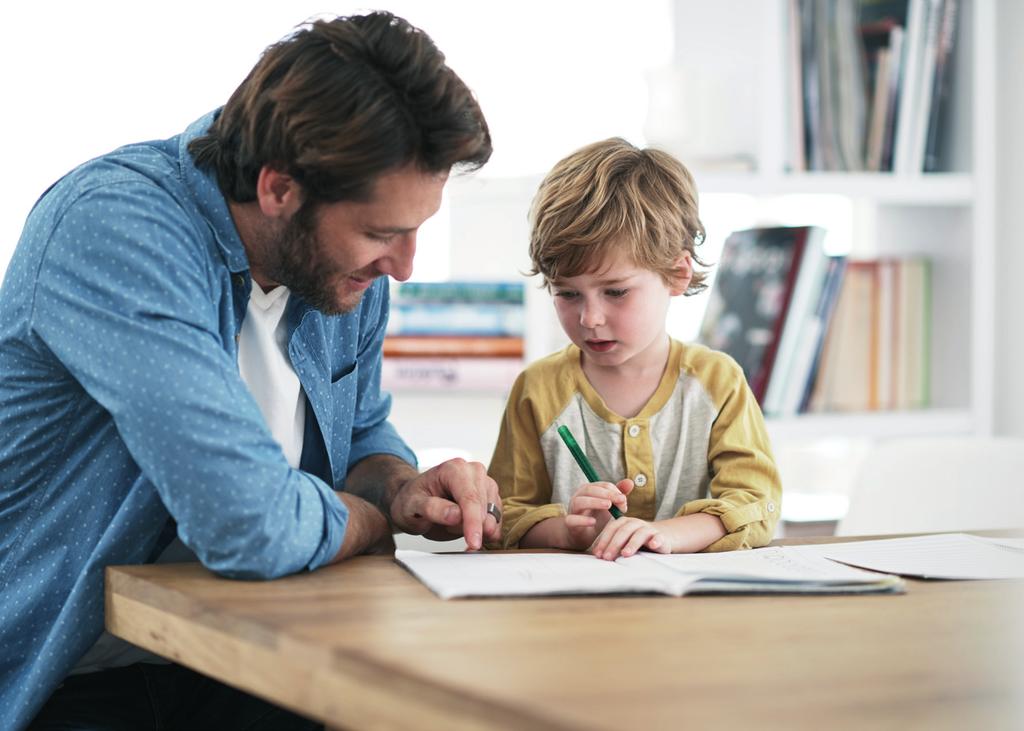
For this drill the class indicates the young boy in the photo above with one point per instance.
(673, 427)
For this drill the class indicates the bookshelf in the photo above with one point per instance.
(948, 216)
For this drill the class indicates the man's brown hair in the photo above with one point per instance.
(338, 103)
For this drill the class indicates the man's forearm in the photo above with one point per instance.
(377, 479)
(367, 530)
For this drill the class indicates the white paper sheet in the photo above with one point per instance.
(940, 556)
(773, 563)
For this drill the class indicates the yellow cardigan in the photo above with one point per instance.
(698, 445)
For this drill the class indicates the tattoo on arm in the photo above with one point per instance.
(377, 479)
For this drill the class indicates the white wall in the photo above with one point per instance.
(1009, 366)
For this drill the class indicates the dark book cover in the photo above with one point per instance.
(941, 83)
(750, 297)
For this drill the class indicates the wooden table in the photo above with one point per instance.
(364, 645)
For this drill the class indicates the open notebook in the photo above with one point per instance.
(763, 570)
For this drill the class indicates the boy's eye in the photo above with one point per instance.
(616, 292)
(383, 238)
(566, 294)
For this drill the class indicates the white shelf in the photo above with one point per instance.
(947, 217)
(932, 189)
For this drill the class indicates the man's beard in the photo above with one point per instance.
(294, 259)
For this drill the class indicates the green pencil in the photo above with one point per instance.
(583, 462)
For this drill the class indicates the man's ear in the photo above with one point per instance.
(278, 194)
(682, 273)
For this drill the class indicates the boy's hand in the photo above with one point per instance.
(625, 536)
(588, 510)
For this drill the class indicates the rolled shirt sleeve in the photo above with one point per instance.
(745, 489)
(123, 300)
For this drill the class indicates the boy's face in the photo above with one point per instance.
(616, 314)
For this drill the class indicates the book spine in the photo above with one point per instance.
(924, 103)
(909, 86)
(892, 102)
(760, 380)
(826, 313)
(453, 346)
(812, 266)
(449, 374)
(456, 318)
(460, 291)
(941, 85)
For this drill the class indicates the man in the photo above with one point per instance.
(190, 349)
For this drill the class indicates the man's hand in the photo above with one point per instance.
(447, 501)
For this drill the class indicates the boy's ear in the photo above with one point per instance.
(278, 194)
(682, 273)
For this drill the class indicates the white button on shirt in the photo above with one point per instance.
(640, 480)
(266, 369)
(633, 430)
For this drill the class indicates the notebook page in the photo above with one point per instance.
(771, 564)
(452, 575)
(940, 556)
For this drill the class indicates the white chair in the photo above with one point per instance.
(922, 484)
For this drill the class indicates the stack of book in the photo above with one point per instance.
(876, 353)
(814, 332)
(458, 335)
(871, 81)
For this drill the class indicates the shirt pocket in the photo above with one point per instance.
(344, 387)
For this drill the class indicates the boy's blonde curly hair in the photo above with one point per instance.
(609, 194)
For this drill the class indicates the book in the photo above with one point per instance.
(810, 87)
(459, 291)
(922, 109)
(791, 358)
(911, 377)
(886, 290)
(456, 318)
(850, 95)
(466, 346)
(922, 43)
(845, 379)
(875, 354)
(881, 34)
(808, 355)
(463, 374)
(796, 127)
(757, 274)
(769, 570)
(941, 83)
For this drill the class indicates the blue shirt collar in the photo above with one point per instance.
(208, 197)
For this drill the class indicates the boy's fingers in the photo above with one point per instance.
(600, 547)
(579, 504)
(580, 521)
(638, 540)
(624, 530)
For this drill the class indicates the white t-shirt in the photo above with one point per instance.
(267, 371)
